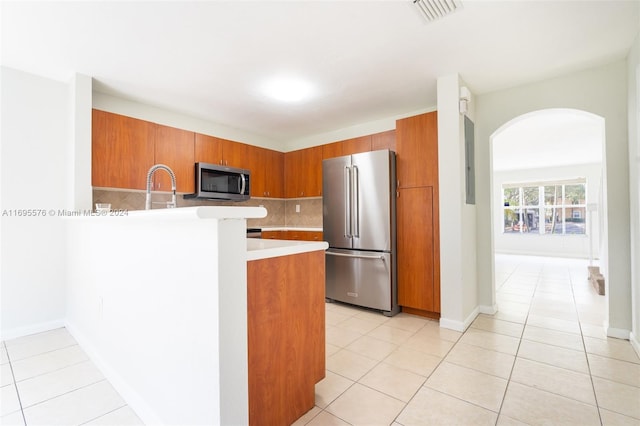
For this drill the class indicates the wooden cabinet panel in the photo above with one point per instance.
(356, 145)
(208, 149)
(273, 235)
(417, 150)
(267, 172)
(274, 174)
(234, 154)
(121, 150)
(286, 341)
(418, 263)
(174, 148)
(332, 150)
(303, 173)
(384, 140)
(347, 147)
(292, 235)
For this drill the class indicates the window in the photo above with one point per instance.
(561, 205)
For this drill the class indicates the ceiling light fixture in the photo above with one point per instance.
(436, 9)
(288, 89)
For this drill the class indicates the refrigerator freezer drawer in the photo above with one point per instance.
(360, 277)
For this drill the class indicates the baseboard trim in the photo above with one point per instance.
(635, 343)
(618, 333)
(460, 325)
(14, 333)
(488, 309)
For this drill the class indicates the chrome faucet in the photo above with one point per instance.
(150, 173)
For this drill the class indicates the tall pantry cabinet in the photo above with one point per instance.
(418, 215)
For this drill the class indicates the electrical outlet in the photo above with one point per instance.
(297, 208)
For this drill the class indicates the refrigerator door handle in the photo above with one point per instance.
(355, 215)
(357, 256)
(347, 201)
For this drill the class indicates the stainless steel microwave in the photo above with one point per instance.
(215, 182)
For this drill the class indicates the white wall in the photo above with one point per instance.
(35, 161)
(633, 72)
(601, 91)
(548, 245)
(458, 288)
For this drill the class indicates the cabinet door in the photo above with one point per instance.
(332, 150)
(256, 162)
(417, 150)
(234, 154)
(356, 145)
(208, 149)
(293, 174)
(303, 173)
(416, 250)
(384, 140)
(274, 174)
(121, 150)
(175, 148)
(267, 171)
(273, 235)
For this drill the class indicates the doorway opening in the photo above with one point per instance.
(547, 195)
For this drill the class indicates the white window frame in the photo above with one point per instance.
(541, 207)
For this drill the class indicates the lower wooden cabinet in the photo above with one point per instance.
(418, 261)
(286, 336)
(292, 235)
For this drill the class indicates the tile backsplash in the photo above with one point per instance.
(280, 212)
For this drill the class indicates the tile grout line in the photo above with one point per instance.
(515, 357)
(377, 364)
(584, 346)
(15, 384)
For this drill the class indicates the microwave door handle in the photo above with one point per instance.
(243, 183)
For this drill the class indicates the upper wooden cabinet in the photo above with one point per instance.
(356, 145)
(210, 149)
(303, 173)
(174, 148)
(267, 172)
(332, 150)
(347, 147)
(122, 150)
(417, 150)
(384, 140)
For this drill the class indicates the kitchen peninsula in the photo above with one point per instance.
(175, 305)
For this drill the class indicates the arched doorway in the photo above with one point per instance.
(546, 197)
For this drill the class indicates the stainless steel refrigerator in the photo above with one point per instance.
(359, 223)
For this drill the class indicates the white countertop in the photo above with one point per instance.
(262, 249)
(198, 212)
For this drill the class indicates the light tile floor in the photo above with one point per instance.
(47, 379)
(542, 359)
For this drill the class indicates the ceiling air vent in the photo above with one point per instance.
(436, 9)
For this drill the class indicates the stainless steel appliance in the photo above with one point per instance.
(221, 183)
(359, 223)
(254, 233)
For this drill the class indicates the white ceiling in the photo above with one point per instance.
(368, 60)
